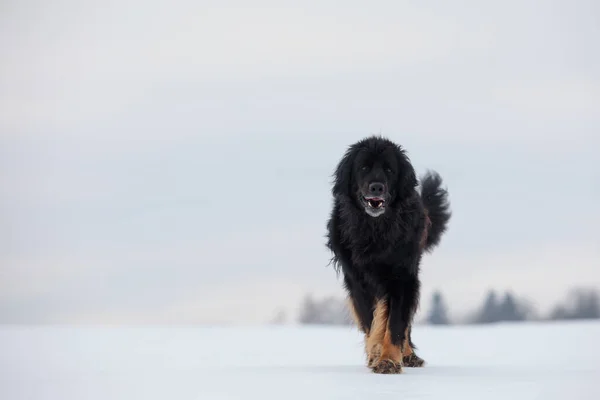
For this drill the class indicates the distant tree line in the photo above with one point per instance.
(581, 303)
(327, 311)
(501, 308)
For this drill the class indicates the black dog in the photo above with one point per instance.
(379, 228)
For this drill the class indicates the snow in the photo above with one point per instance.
(505, 361)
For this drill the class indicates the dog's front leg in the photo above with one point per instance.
(409, 357)
(402, 303)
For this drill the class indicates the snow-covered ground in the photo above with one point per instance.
(521, 361)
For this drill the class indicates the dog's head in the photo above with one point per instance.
(376, 174)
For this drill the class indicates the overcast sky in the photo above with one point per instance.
(168, 162)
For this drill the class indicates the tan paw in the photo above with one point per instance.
(387, 366)
(413, 361)
(373, 355)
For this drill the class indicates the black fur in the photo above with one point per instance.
(380, 256)
(435, 201)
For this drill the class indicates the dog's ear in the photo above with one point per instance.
(342, 177)
(407, 178)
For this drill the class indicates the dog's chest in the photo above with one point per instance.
(378, 241)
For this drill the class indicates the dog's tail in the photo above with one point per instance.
(437, 208)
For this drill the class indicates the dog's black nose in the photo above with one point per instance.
(376, 189)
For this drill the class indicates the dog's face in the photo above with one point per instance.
(376, 173)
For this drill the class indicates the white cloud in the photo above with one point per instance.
(213, 257)
(551, 98)
(99, 63)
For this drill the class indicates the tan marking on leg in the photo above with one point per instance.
(375, 337)
(409, 357)
(358, 324)
(406, 348)
(390, 357)
(388, 349)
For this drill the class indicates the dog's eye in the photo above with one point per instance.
(364, 168)
(389, 170)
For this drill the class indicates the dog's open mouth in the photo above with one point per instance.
(375, 202)
(375, 206)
